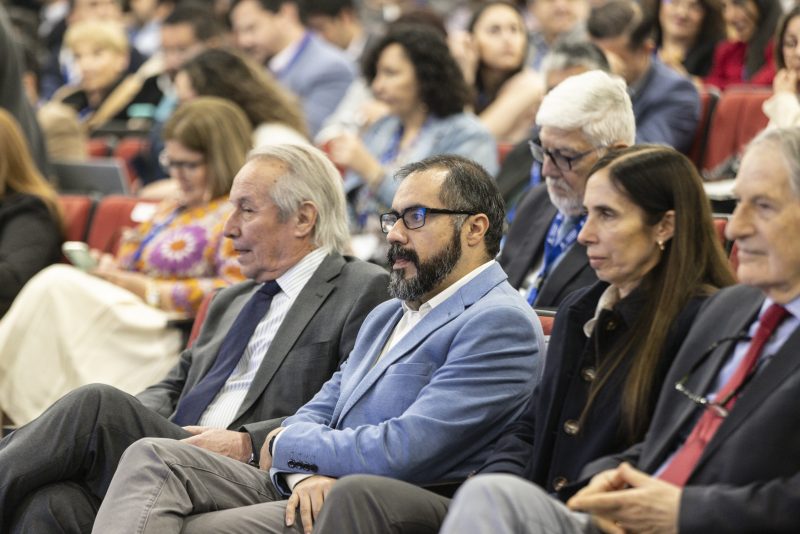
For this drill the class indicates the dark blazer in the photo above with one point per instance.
(525, 244)
(667, 108)
(315, 337)
(748, 478)
(30, 240)
(542, 446)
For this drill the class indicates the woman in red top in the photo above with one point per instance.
(748, 57)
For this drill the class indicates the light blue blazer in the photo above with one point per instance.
(432, 407)
(319, 76)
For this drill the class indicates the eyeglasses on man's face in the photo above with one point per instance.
(175, 165)
(564, 163)
(414, 217)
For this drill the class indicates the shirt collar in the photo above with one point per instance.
(281, 60)
(448, 292)
(293, 280)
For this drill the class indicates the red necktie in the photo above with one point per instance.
(687, 456)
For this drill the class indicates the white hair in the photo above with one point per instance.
(310, 177)
(595, 103)
(787, 141)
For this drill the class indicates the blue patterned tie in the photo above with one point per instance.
(195, 402)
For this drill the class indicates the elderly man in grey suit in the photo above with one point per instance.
(265, 348)
(721, 454)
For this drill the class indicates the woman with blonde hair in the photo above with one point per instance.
(111, 325)
(30, 217)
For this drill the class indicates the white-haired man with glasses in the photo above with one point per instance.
(579, 119)
(721, 454)
(434, 376)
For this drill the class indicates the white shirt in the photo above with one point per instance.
(222, 410)
(282, 59)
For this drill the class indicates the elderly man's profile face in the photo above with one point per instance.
(766, 224)
(566, 186)
(422, 258)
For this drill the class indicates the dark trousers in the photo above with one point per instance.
(55, 470)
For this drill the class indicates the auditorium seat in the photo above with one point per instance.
(737, 119)
(502, 151)
(708, 102)
(112, 215)
(199, 318)
(77, 211)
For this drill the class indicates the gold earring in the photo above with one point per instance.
(660, 245)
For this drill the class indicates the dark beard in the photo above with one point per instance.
(429, 274)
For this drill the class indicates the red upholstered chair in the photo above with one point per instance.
(99, 147)
(708, 103)
(720, 222)
(126, 150)
(502, 151)
(112, 215)
(737, 119)
(199, 318)
(547, 323)
(77, 211)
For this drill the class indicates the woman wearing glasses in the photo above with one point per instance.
(412, 72)
(68, 328)
(650, 239)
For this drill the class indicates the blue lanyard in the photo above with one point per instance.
(154, 231)
(295, 57)
(553, 249)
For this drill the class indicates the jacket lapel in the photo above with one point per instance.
(311, 297)
(438, 317)
(573, 262)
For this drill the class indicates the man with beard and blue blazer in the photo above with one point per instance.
(272, 33)
(433, 377)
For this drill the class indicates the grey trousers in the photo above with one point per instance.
(367, 504)
(163, 485)
(494, 503)
(55, 470)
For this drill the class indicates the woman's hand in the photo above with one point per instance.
(347, 150)
(103, 260)
(465, 53)
(785, 81)
(134, 282)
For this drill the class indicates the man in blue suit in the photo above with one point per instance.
(434, 376)
(272, 32)
(666, 104)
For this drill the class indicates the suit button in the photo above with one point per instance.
(611, 325)
(571, 427)
(588, 374)
(559, 482)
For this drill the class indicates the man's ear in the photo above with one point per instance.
(476, 227)
(305, 219)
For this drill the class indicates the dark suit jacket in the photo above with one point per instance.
(317, 334)
(525, 244)
(538, 446)
(666, 107)
(748, 478)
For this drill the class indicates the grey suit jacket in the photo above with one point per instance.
(525, 244)
(317, 335)
(748, 478)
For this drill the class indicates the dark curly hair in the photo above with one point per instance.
(441, 85)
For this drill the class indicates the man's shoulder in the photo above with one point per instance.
(669, 83)
(326, 57)
(729, 299)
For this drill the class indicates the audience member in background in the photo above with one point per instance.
(579, 119)
(30, 217)
(435, 374)
(556, 21)
(12, 93)
(519, 171)
(411, 70)
(101, 56)
(272, 33)
(666, 104)
(290, 225)
(64, 135)
(716, 457)
(339, 23)
(188, 30)
(651, 241)
(111, 325)
(274, 113)
(492, 58)
(146, 17)
(687, 32)
(783, 107)
(749, 57)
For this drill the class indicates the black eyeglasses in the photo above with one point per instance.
(717, 406)
(561, 161)
(414, 217)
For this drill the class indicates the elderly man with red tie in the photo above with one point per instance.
(723, 451)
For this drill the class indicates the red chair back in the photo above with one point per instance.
(77, 211)
(737, 119)
(199, 318)
(708, 102)
(111, 217)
